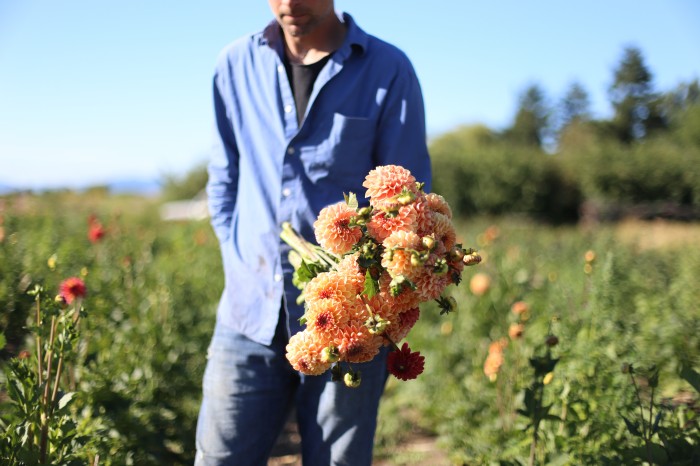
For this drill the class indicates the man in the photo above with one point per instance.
(304, 110)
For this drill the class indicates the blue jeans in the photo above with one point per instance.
(249, 390)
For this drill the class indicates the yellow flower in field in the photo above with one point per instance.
(548, 378)
(589, 256)
(52, 262)
(84, 272)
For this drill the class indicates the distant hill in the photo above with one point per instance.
(145, 187)
(6, 189)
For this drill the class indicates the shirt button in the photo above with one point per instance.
(291, 151)
(286, 192)
(287, 109)
(278, 277)
(280, 68)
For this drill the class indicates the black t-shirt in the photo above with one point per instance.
(302, 78)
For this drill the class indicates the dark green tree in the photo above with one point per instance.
(575, 106)
(677, 101)
(638, 109)
(531, 124)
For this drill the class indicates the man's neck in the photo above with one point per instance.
(315, 45)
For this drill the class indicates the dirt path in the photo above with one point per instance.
(419, 450)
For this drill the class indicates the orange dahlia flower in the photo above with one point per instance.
(333, 230)
(386, 182)
(304, 353)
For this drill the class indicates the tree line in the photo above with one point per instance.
(557, 162)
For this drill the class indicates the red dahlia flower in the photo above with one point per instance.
(72, 288)
(96, 232)
(404, 364)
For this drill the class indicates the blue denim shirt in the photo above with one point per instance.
(365, 110)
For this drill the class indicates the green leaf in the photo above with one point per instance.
(3, 341)
(371, 285)
(65, 400)
(351, 200)
(690, 376)
(632, 427)
(655, 452)
(654, 378)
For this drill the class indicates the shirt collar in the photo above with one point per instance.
(355, 38)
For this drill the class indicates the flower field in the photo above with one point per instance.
(570, 345)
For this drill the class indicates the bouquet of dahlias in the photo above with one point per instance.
(362, 286)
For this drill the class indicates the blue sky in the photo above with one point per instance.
(95, 91)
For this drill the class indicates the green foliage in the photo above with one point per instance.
(478, 174)
(638, 110)
(187, 186)
(531, 119)
(607, 302)
(39, 426)
(152, 294)
(659, 170)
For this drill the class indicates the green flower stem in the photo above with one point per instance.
(40, 367)
(308, 251)
(641, 406)
(45, 398)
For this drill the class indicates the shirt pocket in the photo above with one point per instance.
(346, 155)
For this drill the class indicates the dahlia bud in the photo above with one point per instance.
(61, 301)
(352, 379)
(428, 242)
(376, 324)
(389, 254)
(416, 259)
(471, 258)
(552, 340)
(330, 354)
(363, 216)
(398, 283)
(364, 211)
(406, 197)
(368, 249)
(440, 266)
(457, 253)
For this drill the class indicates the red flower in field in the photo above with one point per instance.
(72, 288)
(404, 364)
(96, 232)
